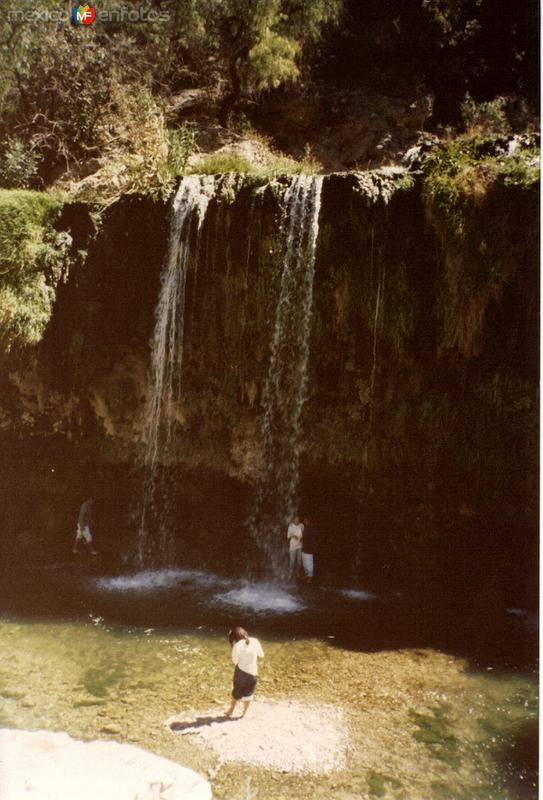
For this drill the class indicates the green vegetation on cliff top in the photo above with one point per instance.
(212, 63)
(32, 261)
(470, 182)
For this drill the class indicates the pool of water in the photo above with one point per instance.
(436, 708)
(357, 617)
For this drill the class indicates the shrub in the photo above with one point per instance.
(18, 165)
(521, 169)
(182, 144)
(487, 119)
(139, 154)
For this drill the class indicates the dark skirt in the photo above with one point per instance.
(244, 684)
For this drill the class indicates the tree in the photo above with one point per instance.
(261, 41)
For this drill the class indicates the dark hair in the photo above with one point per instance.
(237, 634)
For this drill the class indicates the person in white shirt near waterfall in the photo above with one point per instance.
(295, 535)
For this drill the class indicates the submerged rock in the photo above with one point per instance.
(110, 727)
(40, 765)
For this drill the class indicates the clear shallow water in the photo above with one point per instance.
(423, 724)
(114, 656)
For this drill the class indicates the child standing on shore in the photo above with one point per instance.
(246, 650)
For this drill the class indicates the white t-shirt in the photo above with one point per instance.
(294, 535)
(245, 656)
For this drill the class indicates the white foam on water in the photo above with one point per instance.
(357, 594)
(261, 598)
(151, 580)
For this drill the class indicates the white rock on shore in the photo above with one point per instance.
(280, 735)
(40, 765)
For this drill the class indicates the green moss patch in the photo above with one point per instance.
(377, 783)
(433, 730)
(269, 165)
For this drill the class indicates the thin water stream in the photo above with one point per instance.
(155, 544)
(286, 385)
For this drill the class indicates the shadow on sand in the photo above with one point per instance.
(199, 722)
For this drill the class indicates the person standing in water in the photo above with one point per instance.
(84, 522)
(246, 650)
(295, 534)
(308, 549)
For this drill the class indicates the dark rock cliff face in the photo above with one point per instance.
(348, 129)
(418, 456)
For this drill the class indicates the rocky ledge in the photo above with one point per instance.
(40, 765)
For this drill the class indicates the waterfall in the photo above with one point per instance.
(286, 384)
(188, 214)
(378, 305)
(254, 233)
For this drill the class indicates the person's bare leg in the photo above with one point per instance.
(92, 551)
(246, 704)
(230, 711)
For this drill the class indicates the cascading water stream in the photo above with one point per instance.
(376, 319)
(254, 233)
(155, 546)
(286, 385)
